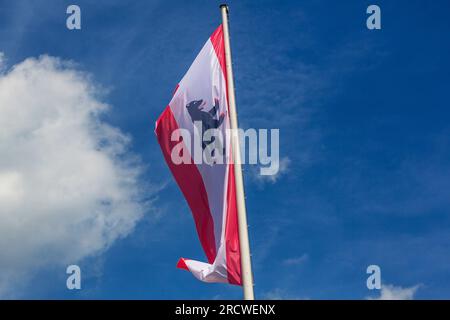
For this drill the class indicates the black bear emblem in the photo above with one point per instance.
(207, 118)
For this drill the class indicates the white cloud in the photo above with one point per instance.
(390, 292)
(283, 168)
(296, 261)
(2, 60)
(68, 189)
(280, 294)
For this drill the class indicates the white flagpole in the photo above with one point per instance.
(246, 265)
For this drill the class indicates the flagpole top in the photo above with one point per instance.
(224, 5)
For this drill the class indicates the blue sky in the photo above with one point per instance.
(363, 118)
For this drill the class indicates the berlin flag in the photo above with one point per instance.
(209, 188)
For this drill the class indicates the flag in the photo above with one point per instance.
(200, 103)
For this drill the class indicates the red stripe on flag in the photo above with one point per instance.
(182, 264)
(175, 90)
(233, 252)
(219, 47)
(190, 182)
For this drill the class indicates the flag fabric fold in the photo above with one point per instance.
(209, 189)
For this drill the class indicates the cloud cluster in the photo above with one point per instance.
(390, 292)
(68, 189)
(280, 294)
(283, 165)
(296, 261)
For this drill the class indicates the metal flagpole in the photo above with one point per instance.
(246, 265)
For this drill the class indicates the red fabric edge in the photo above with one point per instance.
(181, 264)
(233, 254)
(190, 183)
